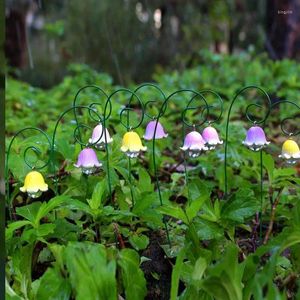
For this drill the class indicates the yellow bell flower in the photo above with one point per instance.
(34, 184)
(132, 144)
(290, 151)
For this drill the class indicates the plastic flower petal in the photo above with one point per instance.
(194, 144)
(88, 161)
(132, 144)
(159, 133)
(256, 139)
(98, 137)
(290, 152)
(211, 137)
(34, 184)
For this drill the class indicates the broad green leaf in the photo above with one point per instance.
(49, 206)
(207, 230)
(53, 286)
(173, 211)
(269, 164)
(98, 194)
(45, 229)
(199, 270)
(14, 226)
(29, 212)
(144, 201)
(241, 205)
(139, 242)
(144, 183)
(92, 274)
(132, 276)
(176, 274)
(224, 280)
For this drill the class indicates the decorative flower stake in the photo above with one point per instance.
(256, 139)
(290, 152)
(88, 161)
(34, 184)
(211, 137)
(132, 144)
(194, 144)
(98, 137)
(159, 134)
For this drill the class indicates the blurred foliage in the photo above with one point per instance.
(131, 39)
(225, 74)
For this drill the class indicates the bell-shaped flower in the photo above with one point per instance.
(98, 137)
(290, 152)
(194, 144)
(256, 139)
(211, 137)
(34, 184)
(159, 133)
(132, 144)
(88, 161)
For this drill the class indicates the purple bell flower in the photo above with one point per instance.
(159, 134)
(88, 161)
(98, 137)
(194, 144)
(256, 139)
(211, 137)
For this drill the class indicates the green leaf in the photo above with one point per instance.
(144, 183)
(132, 276)
(224, 280)
(45, 229)
(98, 194)
(293, 238)
(30, 211)
(207, 230)
(92, 274)
(14, 226)
(143, 202)
(139, 242)
(52, 204)
(269, 164)
(199, 269)
(52, 286)
(241, 205)
(176, 274)
(174, 211)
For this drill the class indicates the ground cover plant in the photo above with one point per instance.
(84, 239)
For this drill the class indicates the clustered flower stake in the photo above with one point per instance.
(34, 184)
(194, 144)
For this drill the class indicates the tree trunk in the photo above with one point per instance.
(283, 28)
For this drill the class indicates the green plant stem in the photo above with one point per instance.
(272, 217)
(130, 181)
(261, 195)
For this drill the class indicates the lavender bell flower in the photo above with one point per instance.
(98, 137)
(88, 161)
(159, 134)
(194, 144)
(211, 137)
(256, 139)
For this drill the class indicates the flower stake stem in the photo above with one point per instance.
(255, 141)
